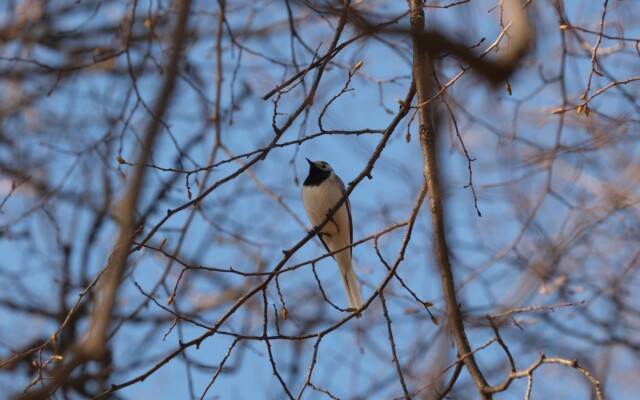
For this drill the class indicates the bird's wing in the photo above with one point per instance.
(324, 244)
(344, 190)
(350, 226)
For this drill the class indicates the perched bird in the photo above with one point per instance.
(320, 192)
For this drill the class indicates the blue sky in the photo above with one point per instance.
(86, 109)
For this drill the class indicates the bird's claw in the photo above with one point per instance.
(355, 311)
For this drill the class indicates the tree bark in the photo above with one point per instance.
(424, 78)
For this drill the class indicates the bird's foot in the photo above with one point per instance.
(355, 311)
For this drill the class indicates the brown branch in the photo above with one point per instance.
(452, 381)
(458, 362)
(528, 373)
(519, 310)
(595, 51)
(219, 370)
(393, 345)
(514, 374)
(287, 255)
(424, 78)
(314, 359)
(521, 37)
(93, 345)
(265, 333)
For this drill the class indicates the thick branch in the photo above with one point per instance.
(93, 345)
(423, 75)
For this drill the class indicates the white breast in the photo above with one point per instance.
(317, 201)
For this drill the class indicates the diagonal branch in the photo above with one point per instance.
(93, 346)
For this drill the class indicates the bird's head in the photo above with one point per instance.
(319, 171)
(322, 166)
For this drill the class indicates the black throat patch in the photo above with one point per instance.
(316, 176)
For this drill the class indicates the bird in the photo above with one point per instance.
(321, 191)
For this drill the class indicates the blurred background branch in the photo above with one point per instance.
(149, 183)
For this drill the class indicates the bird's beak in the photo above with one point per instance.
(310, 162)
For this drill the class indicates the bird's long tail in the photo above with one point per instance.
(349, 280)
